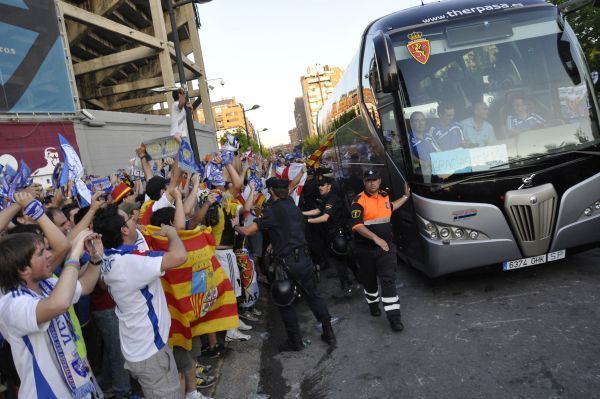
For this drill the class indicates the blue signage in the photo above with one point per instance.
(34, 75)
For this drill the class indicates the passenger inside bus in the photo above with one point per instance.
(521, 118)
(477, 130)
(422, 143)
(447, 133)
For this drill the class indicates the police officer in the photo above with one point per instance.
(370, 215)
(285, 224)
(332, 216)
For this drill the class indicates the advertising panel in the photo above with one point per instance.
(34, 76)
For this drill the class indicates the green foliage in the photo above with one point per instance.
(586, 24)
(311, 144)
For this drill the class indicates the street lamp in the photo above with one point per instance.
(258, 137)
(178, 57)
(255, 106)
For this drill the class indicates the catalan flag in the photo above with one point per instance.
(314, 160)
(199, 294)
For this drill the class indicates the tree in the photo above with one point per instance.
(586, 24)
(311, 144)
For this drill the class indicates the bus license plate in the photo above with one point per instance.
(534, 260)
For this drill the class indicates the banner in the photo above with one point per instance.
(34, 74)
(163, 147)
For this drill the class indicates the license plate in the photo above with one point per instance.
(534, 260)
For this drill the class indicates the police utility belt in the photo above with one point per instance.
(294, 256)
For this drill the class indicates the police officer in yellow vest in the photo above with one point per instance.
(371, 213)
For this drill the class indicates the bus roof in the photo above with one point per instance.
(446, 11)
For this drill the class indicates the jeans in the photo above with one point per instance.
(113, 369)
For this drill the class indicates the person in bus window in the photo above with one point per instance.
(422, 143)
(521, 118)
(447, 134)
(476, 129)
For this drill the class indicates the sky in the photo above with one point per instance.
(261, 48)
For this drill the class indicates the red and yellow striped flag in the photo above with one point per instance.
(199, 294)
(314, 160)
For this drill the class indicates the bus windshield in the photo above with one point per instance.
(483, 94)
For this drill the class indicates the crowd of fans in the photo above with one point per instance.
(136, 293)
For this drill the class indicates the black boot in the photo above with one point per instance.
(374, 309)
(396, 324)
(292, 344)
(328, 336)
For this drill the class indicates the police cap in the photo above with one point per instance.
(325, 180)
(371, 174)
(274, 182)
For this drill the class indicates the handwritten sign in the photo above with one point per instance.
(463, 160)
(451, 162)
(484, 158)
(163, 147)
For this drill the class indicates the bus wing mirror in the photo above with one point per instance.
(570, 6)
(387, 68)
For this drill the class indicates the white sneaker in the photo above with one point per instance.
(196, 395)
(244, 327)
(235, 335)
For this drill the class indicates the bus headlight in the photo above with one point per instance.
(444, 232)
(597, 205)
(588, 212)
(447, 233)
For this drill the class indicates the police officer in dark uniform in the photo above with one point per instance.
(332, 215)
(285, 224)
(309, 200)
(370, 215)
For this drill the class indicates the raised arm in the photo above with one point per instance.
(86, 221)
(61, 296)
(144, 157)
(192, 199)
(7, 214)
(176, 255)
(179, 211)
(402, 200)
(56, 239)
(200, 214)
(89, 278)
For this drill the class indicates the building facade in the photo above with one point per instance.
(300, 118)
(317, 85)
(229, 115)
(294, 137)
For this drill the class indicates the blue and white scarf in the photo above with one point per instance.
(76, 372)
(214, 174)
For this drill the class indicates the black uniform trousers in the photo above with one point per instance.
(302, 271)
(375, 263)
(341, 262)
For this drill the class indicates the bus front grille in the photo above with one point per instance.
(532, 212)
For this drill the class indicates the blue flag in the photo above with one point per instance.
(73, 170)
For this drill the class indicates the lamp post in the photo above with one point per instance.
(258, 137)
(255, 106)
(178, 57)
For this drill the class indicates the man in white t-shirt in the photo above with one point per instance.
(34, 309)
(133, 280)
(178, 114)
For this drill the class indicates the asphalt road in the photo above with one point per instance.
(528, 333)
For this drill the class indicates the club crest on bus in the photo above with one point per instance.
(418, 47)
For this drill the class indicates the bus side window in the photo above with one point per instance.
(391, 136)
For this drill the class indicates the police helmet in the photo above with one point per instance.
(339, 245)
(283, 292)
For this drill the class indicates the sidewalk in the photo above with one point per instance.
(239, 373)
